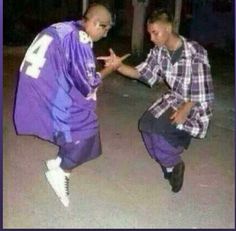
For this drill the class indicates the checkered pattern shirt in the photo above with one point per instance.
(189, 79)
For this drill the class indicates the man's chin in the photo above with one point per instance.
(97, 39)
(156, 44)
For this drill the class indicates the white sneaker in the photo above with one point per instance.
(59, 181)
(54, 163)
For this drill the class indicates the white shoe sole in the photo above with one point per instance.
(64, 200)
(51, 164)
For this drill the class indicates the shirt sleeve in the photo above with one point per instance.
(149, 70)
(201, 86)
(82, 68)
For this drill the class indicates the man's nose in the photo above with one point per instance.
(152, 38)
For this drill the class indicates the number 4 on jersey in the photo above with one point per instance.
(35, 56)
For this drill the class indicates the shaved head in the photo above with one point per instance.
(97, 21)
(99, 12)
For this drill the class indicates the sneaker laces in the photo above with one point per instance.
(67, 185)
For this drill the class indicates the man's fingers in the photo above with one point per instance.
(172, 117)
(124, 57)
(111, 51)
(103, 58)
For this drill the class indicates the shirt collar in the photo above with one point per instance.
(186, 54)
(81, 28)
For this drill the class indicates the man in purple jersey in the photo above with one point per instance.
(184, 111)
(56, 95)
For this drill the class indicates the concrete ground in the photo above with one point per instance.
(123, 188)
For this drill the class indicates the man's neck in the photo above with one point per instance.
(174, 42)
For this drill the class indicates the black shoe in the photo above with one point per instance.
(177, 177)
(167, 175)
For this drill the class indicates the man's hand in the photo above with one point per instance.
(181, 114)
(113, 60)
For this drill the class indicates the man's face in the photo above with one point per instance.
(98, 27)
(159, 33)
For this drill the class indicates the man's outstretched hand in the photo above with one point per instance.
(113, 60)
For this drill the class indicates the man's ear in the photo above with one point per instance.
(169, 28)
(97, 24)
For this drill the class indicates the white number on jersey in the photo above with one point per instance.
(35, 56)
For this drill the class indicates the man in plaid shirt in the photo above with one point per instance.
(182, 112)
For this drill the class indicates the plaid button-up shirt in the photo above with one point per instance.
(189, 79)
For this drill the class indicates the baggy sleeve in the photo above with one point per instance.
(149, 70)
(201, 87)
(82, 67)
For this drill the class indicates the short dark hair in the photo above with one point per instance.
(160, 15)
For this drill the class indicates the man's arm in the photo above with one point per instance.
(128, 71)
(114, 62)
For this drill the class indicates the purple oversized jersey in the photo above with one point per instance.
(57, 85)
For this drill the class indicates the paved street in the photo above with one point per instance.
(124, 187)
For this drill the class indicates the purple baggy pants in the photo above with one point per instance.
(160, 150)
(75, 154)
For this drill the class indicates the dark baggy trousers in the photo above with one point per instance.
(164, 142)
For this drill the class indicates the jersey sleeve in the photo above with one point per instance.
(82, 67)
